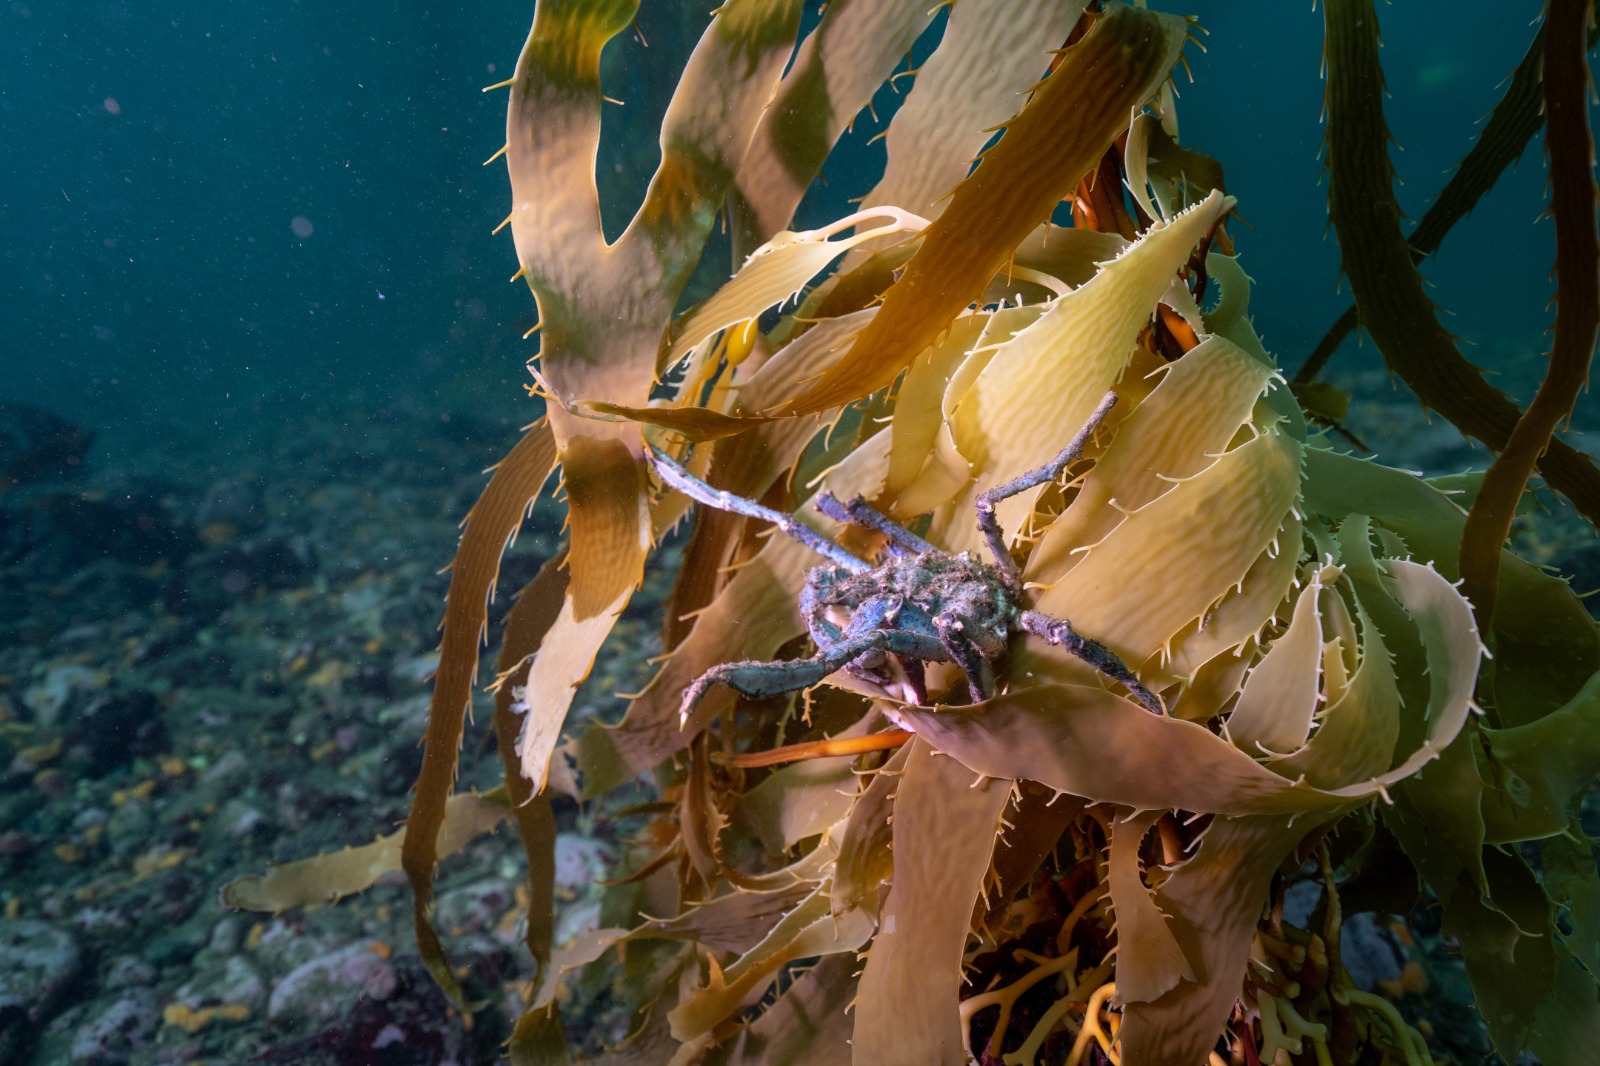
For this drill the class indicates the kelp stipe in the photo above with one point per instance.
(1053, 873)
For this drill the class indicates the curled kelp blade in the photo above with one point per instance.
(1546, 644)
(1279, 697)
(1156, 961)
(1056, 138)
(945, 825)
(1006, 424)
(836, 70)
(1215, 898)
(966, 89)
(781, 268)
(1088, 742)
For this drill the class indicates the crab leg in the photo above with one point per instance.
(677, 477)
(987, 501)
(758, 680)
(965, 654)
(1059, 631)
(861, 513)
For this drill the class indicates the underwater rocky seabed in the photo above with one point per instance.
(199, 676)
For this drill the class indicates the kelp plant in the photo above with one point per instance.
(1052, 874)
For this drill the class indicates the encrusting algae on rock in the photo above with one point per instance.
(1052, 870)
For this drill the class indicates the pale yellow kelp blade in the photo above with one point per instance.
(1007, 424)
(1140, 588)
(1278, 698)
(1194, 413)
(780, 269)
(967, 88)
(1054, 141)
(919, 402)
(937, 471)
(945, 825)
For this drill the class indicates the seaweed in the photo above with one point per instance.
(1052, 873)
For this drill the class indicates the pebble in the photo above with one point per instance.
(115, 1034)
(328, 986)
(38, 963)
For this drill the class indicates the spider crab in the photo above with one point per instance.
(883, 621)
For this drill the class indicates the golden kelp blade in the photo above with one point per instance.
(945, 826)
(1194, 414)
(488, 528)
(1156, 960)
(604, 308)
(780, 269)
(1277, 700)
(328, 878)
(991, 53)
(1217, 898)
(1087, 742)
(1237, 507)
(750, 618)
(836, 71)
(1047, 148)
(610, 536)
(1006, 423)
(808, 930)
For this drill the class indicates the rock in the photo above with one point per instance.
(115, 728)
(128, 971)
(38, 963)
(1369, 952)
(241, 505)
(115, 1035)
(580, 862)
(476, 908)
(328, 987)
(222, 988)
(60, 684)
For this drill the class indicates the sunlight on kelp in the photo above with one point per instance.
(1054, 873)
